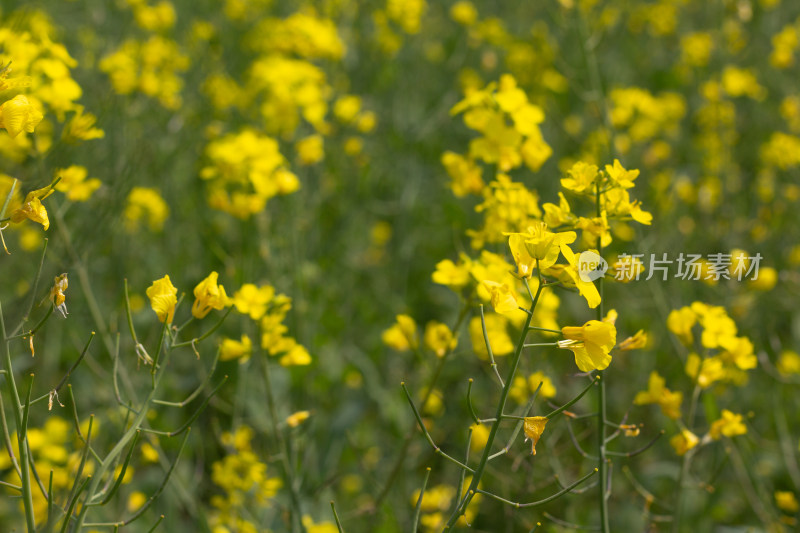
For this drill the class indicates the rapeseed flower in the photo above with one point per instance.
(591, 344)
(163, 298)
(209, 295)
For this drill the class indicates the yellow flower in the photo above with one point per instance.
(786, 501)
(680, 322)
(295, 419)
(729, 425)
(789, 363)
(590, 343)
(656, 392)
(57, 294)
(402, 335)
(541, 244)
(581, 178)
(296, 356)
(310, 149)
(639, 340)
(33, 209)
(480, 435)
(705, 371)
(547, 390)
(208, 295)
(231, 349)
(503, 299)
(163, 298)
(74, 183)
(438, 338)
(620, 176)
(81, 127)
(145, 203)
(684, 441)
(452, 275)
(252, 300)
(533, 428)
(18, 115)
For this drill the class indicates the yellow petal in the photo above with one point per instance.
(533, 428)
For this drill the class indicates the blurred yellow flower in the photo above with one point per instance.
(295, 419)
(496, 328)
(788, 362)
(591, 344)
(163, 298)
(680, 322)
(74, 183)
(450, 274)
(231, 349)
(252, 300)
(209, 295)
(786, 501)
(639, 340)
(464, 13)
(729, 425)
(310, 149)
(684, 441)
(438, 338)
(402, 335)
(145, 203)
(656, 392)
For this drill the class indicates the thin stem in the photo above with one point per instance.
(540, 502)
(574, 400)
(25, 478)
(501, 404)
(288, 471)
(429, 388)
(428, 437)
(418, 508)
(489, 347)
(336, 516)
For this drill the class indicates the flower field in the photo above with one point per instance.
(399, 265)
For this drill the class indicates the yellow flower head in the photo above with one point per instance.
(402, 335)
(231, 349)
(33, 209)
(438, 338)
(729, 425)
(18, 115)
(786, 501)
(533, 428)
(208, 295)
(581, 178)
(503, 299)
(684, 441)
(590, 343)
(295, 419)
(57, 294)
(163, 298)
(656, 392)
(639, 340)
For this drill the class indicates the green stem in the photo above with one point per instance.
(25, 478)
(288, 471)
(429, 388)
(476, 477)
